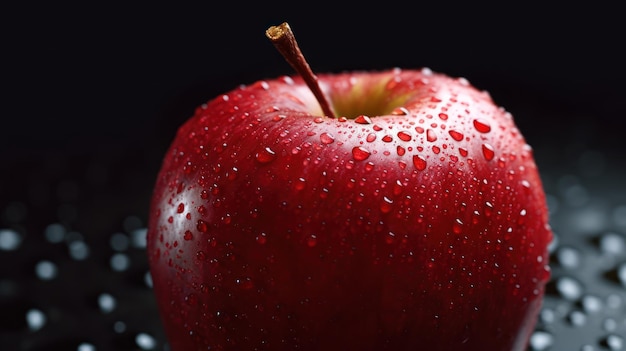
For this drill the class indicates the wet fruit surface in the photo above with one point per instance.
(438, 228)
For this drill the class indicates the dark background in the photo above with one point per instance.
(92, 96)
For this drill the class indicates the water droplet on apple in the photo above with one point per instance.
(359, 153)
(488, 152)
(311, 241)
(299, 184)
(390, 238)
(386, 205)
(458, 136)
(463, 152)
(457, 226)
(443, 116)
(436, 149)
(202, 226)
(387, 138)
(404, 136)
(400, 111)
(419, 162)
(266, 155)
(370, 137)
(181, 208)
(369, 166)
(327, 138)
(318, 119)
(261, 238)
(200, 255)
(263, 84)
(278, 118)
(362, 119)
(430, 135)
(400, 150)
(188, 235)
(397, 187)
(488, 209)
(482, 125)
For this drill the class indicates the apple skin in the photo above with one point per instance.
(421, 225)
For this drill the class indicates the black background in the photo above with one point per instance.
(92, 96)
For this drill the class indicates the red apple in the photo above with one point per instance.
(398, 210)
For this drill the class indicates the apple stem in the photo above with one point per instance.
(285, 42)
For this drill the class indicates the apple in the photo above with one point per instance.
(399, 209)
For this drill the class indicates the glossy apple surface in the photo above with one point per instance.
(416, 220)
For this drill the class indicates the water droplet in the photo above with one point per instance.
(9, 240)
(78, 250)
(488, 152)
(457, 226)
(482, 126)
(145, 341)
(35, 319)
(569, 288)
(463, 152)
(85, 346)
(397, 187)
(55, 233)
(400, 150)
(386, 205)
(443, 116)
(404, 136)
(359, 153)
(390, 238)
(400, 111)
(181, 208)
(266, 155)
(300, 184)
(419, 162)
(202, 226)
(106, 302)
(430, 135)
(614, 342)
(188, 235)
(458, 136)
(119, 262)
(261, 238)
(318, 119)
(591, 304)
(278, 118)
(612, 243)
(577, 318)
(311, 241)
(387, 138)
(201, 255)
(568, 257)
(370, 137)
(46, 270)
(540, 340)
(436, 149)
(327, 138)
(362, 119)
